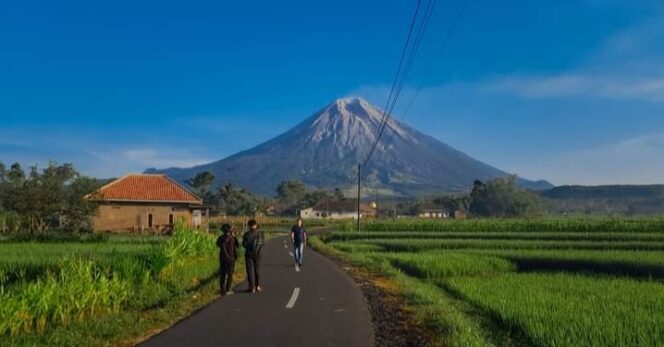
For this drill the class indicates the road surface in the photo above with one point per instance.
(319, 305)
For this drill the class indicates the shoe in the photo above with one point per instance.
(230, 292)
(259, 289)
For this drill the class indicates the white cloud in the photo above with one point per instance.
(568, 85)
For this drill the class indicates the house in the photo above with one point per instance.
(142, 202)
(337, 210)
(432, 211)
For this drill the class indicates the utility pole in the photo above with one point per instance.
(359, 180)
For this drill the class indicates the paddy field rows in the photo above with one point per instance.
(507, 284)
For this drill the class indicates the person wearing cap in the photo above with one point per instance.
(228, 247)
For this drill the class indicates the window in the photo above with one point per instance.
(149, 220)
(170, 218)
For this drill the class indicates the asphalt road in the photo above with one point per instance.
(319, 305)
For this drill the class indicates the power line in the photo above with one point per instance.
(396, 78)
(390, 106)
(402, 81)
(432, 64)
(401, 75)
(443, 44)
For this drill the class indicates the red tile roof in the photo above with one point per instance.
(144, 187)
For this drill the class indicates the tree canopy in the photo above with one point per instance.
(44, 200)
(501, 197)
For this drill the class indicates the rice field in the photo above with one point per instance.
(58, 286)
(595, 282)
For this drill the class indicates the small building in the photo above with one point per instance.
(432, 211)
(460, 214)
(337, 210)
(147, 203)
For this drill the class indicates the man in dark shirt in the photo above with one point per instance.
(228, 246)
(253, 241)
(299, 238)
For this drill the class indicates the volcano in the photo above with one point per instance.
(324, 150)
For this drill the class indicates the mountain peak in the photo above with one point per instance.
(352, 107)
(350, 100)
(324, 149)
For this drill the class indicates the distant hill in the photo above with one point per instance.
(608, 199)
(607, 191)
(323, 151)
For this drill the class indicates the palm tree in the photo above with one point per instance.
(226, 192)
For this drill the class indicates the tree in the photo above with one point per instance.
(338, 195)
(289, 193)
(201, 182)
(312, 198)
(226, 192)
(50, 199)
(501, 197)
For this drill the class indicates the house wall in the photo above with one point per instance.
(134, 217)
(433, 214)
(315, 214)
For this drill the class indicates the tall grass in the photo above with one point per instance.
(88, 284)
(78, 291)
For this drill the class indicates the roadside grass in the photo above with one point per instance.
(598, 283)
(103, 293)
(437, 312)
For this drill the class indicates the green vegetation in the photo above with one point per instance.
(618, 225)
(571, 310)
(510, 282)
(46, 200)
(51, 293)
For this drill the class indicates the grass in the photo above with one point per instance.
(633, 225)
(572, 310)
(418, 245)
(562, 282)
(56, 293)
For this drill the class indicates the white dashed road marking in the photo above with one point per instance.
(293, 298)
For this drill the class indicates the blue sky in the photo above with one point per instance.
(569, 91)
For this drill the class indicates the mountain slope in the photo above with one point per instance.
(324, 150)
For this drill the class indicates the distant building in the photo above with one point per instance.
(433, 211)
(337, 210)
(460, 214)
(142, 202)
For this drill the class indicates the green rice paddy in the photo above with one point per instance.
(596, 282)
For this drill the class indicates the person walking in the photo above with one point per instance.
(228, 247)
(253, 241)
(299, 237)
